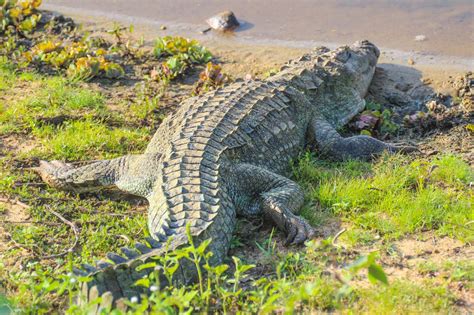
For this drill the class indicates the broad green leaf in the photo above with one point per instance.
(144, 282)
(146, 266)
(376, 273)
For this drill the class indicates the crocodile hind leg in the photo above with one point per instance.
(332, 144)
(278, 197)
(87, 178)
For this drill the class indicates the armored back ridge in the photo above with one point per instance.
(227, 153)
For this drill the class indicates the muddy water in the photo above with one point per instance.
(447, 25)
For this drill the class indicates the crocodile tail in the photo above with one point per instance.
(114, 279)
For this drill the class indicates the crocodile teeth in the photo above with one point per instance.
(117, 259)
(130, 253)
(142, 248)
(103, 264)
(153, 243)
(88, 268)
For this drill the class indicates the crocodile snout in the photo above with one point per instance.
(366, 45)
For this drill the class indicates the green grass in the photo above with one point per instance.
(460, 271)
(47, 98)
(82, 131)
(78, 139)
(404, 297)
(394, 197)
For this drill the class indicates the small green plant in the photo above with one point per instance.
(123, 43)
(183, 48)
(81, 60)
(19, 15)
(209, 79)
(180, 54)
(268, 247)
(375, 120)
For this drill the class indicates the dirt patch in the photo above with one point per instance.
(17, 143)
(458, 140)
(408, 255)
(11, 212)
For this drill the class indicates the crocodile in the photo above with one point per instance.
(227, 153)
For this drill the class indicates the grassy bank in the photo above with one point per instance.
(394, 236)
(379, 205)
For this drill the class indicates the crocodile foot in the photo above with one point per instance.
(48, 171)
(298, 230)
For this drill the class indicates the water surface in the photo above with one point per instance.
(447, 25)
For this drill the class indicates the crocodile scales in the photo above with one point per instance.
(227, 153)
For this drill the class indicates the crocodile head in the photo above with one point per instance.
(356, 63)
(346, 74)
(360, 61)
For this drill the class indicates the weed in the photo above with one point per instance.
(375, 120)
(210, 79)
(19, 16)
(405, 297)
(180, 54)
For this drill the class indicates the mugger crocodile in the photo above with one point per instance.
(227, 153)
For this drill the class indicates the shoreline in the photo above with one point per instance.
(150, 29)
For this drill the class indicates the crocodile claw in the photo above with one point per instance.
(298, 230)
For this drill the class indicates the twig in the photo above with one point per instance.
(206, 30)
(32, 222)
(74, 229)
(337, 236)
(30, 184)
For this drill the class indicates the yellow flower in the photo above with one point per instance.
(36, 3)
(15, 12)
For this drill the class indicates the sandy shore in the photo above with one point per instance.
(242, 57)
(280, 35)
(447, 25)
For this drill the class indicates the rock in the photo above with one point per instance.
(435, 107)
(163, 27)
(224, 21)
(411, 62)
(420, 38)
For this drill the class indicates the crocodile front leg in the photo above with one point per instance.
(276, 196)
(332, 144)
